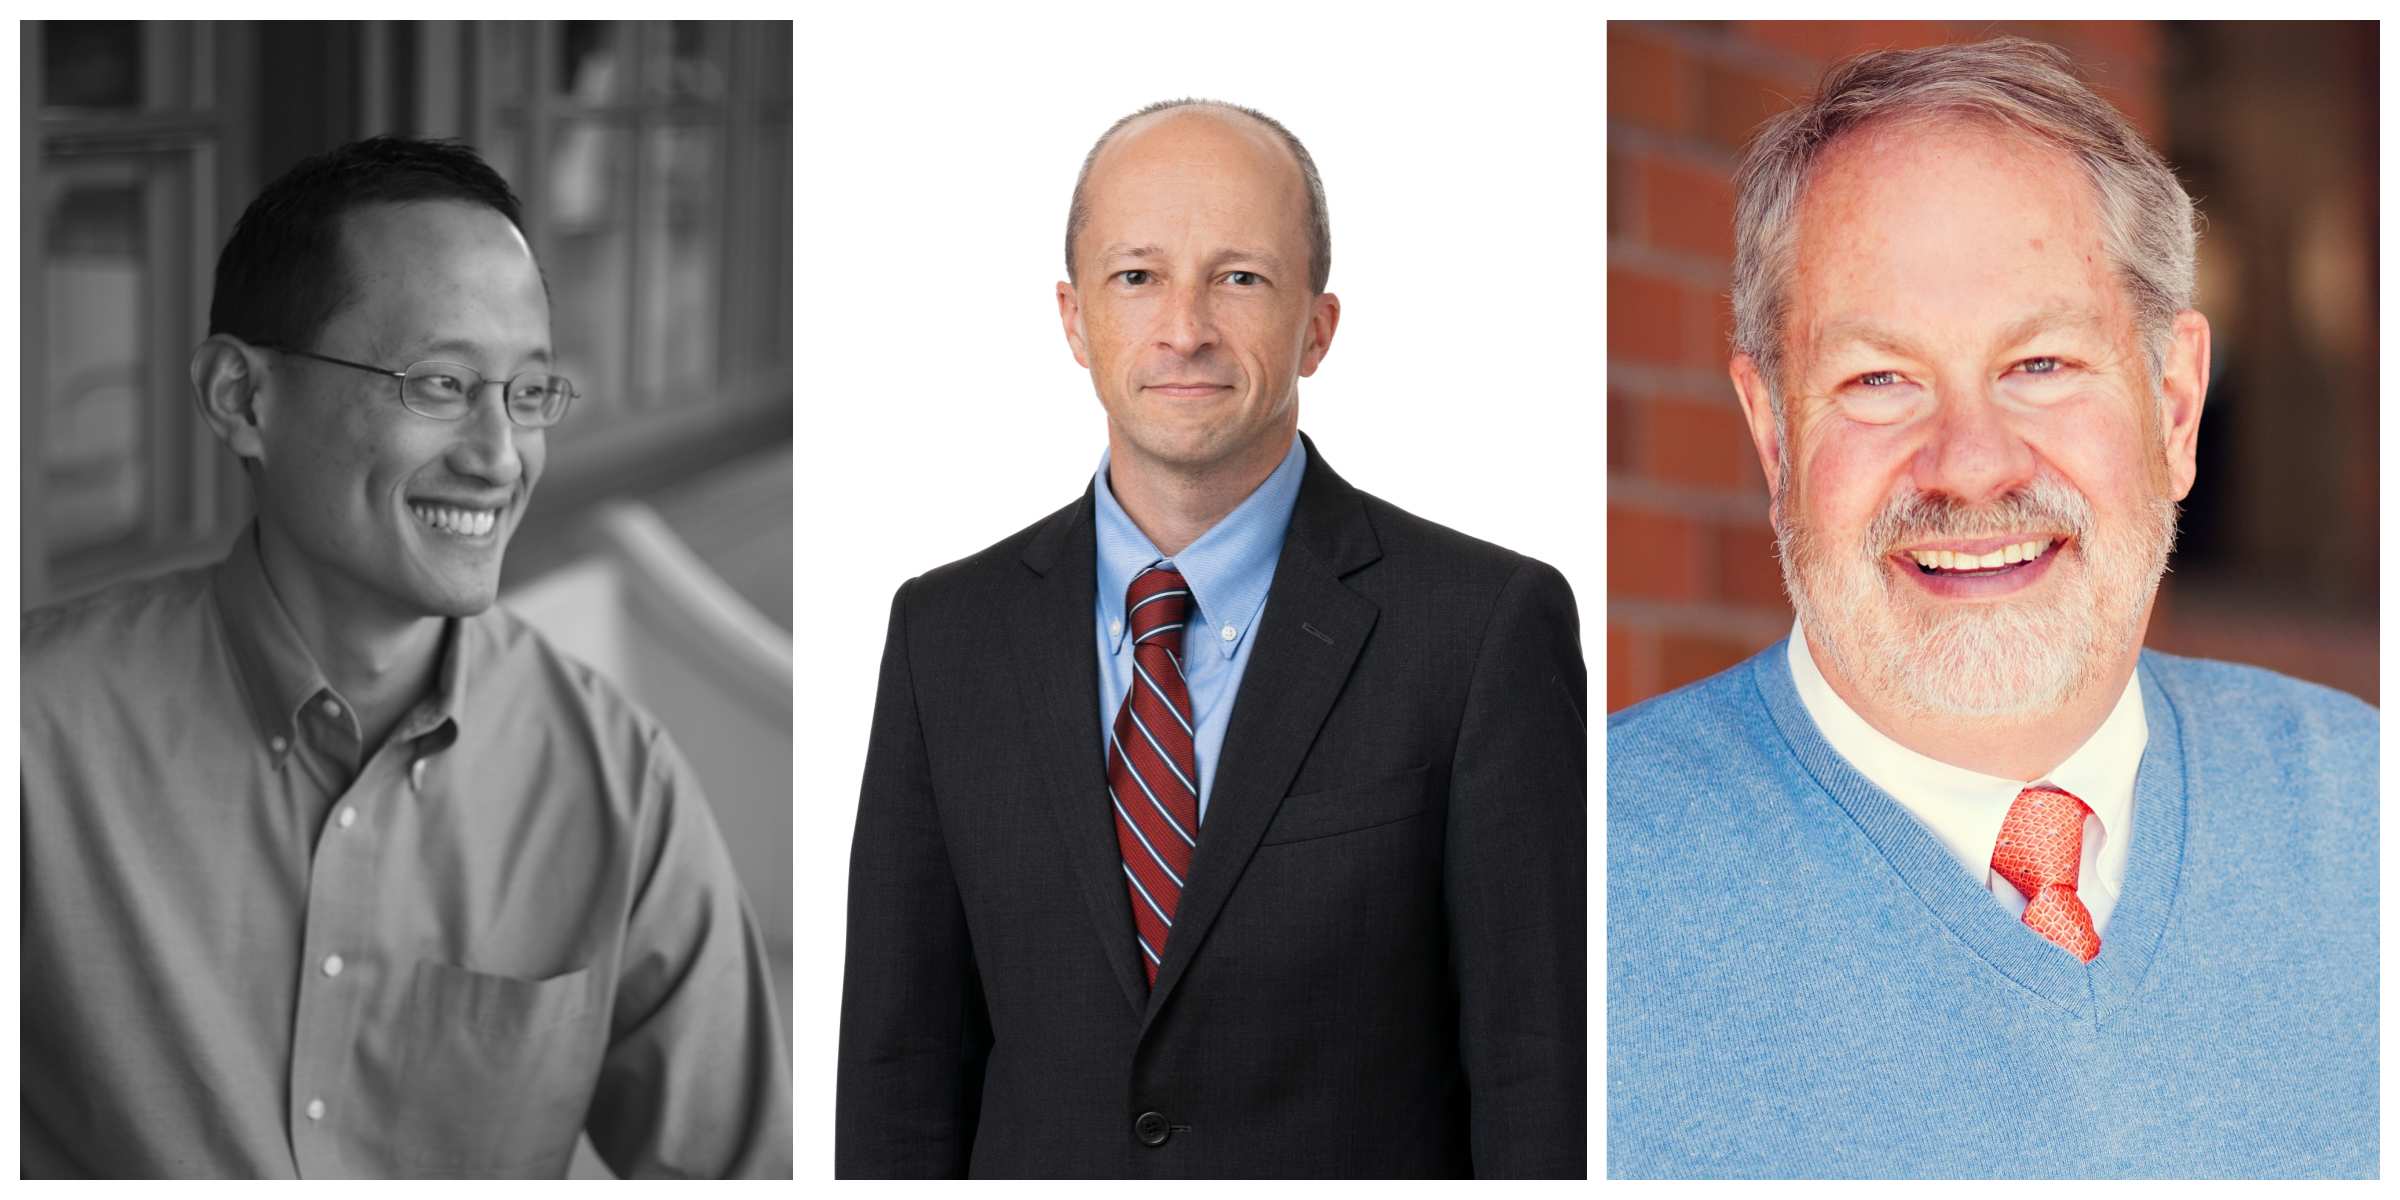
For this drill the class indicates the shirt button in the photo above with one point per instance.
(333, 964)
(277, 743)
(331, 707)
(1229, 633)
(348, 817)
(316, 1109)
(1115, 628)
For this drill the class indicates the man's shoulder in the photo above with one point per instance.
(969, 581)
(534, 676)
(83, 641)
(1687, 723)
(2242, 685)
(1708, 743)
(2275, 715)
(1408, 540)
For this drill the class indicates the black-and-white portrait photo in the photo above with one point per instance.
(405, 569)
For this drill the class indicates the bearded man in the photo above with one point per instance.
(1959, 879)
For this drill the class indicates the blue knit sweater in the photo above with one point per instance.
(1802, 981)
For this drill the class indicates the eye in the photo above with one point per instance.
(1244, 278)
(2042, 365)
(447, 384)
(1135, 277)
(1879, 398)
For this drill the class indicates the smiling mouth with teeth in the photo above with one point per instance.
(458, 522)
(1937, 561)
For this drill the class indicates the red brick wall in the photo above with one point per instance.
(1693, 586)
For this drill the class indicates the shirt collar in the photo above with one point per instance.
(1965, 808)
(1228, 569)
(277, 673)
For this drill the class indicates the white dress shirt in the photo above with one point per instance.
(1964, 808)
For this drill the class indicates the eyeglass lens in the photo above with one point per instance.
(446, 391)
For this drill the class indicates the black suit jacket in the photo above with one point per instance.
(1377, 966)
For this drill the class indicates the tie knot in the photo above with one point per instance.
(2041, 840)
(1155, 607)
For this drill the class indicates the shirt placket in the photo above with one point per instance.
(340, 964)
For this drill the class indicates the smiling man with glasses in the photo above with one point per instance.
(332, 867)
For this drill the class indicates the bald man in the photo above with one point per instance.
(1227, 821)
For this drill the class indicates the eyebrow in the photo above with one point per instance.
(1117, 250)
(2048, 318)
(434, 351)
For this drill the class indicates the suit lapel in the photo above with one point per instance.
(1310, 635)
(1051, 634)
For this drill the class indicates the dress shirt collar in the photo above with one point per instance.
(1965, 808)
(1228, 569)
(279, 676)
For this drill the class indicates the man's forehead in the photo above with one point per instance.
(1946, 222)
(442, 279)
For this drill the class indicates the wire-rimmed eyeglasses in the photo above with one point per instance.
(446, 391)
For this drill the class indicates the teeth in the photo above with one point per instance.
(464, 522)
(1953, 560)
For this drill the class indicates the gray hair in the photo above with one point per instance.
(1320, 229)
(2146, 218)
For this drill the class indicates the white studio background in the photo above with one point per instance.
(937, 408)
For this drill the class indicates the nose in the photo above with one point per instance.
(1974, 452)
(486, 448)
(1187, 326)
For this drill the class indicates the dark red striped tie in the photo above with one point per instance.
(1153, 771)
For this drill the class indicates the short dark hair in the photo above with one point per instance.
(1320, 227)
(281, 276)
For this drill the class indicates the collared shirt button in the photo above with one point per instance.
(347, 818)
(278, 743)
(333, 964)
(1229, 633)
(1115, 628)
(316, 1109)
(331, 707)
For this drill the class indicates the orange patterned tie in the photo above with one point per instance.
(2041, 853)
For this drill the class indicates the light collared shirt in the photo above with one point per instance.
(254, 947)
(1228, 570)
(1964, 808)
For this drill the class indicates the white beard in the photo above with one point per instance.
(2009, 657)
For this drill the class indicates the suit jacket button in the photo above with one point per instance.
(1151, 1128)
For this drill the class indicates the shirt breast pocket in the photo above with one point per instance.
(1341, 810)
(499, 1070)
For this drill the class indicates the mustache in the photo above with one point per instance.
(2046, 503)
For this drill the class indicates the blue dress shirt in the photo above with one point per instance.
(1228, 570)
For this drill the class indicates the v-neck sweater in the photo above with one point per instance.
(1802, 981)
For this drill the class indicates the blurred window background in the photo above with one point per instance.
(654, 159)
(2271, 127)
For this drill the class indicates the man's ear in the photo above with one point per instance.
(2183, 389)
(1758, 409)
(1070, 317)
(226, 377)
(1324, 313)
